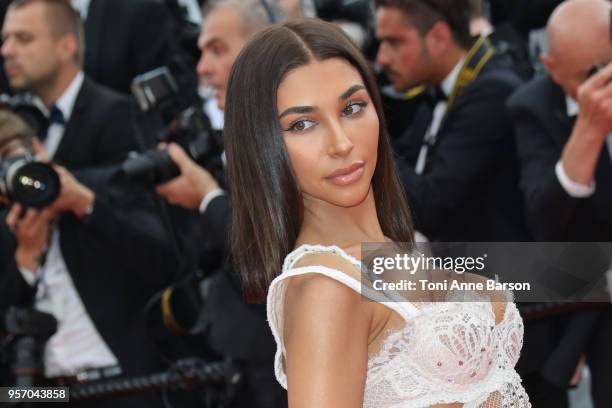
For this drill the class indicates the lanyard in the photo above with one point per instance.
(476, 58)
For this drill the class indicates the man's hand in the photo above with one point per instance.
(189, 189)
(595, 100)
(32, 233)
(594, 122)
(577, 377)
(74, 196)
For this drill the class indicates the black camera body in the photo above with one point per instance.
(23, 178)
(25, 332)
(26, 180)
(189, 128)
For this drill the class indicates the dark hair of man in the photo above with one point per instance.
(476, 8)
(267, 207)
(423, 14)
(62, 19)
(12, 127)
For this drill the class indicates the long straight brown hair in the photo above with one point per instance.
(266, 204)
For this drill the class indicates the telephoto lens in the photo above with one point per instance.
(29, 182)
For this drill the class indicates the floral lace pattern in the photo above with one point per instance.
(446, 352)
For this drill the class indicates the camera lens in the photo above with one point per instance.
(33, 184)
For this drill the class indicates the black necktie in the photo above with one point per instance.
(435, 95)
(55, 117)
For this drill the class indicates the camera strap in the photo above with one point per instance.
(43, 298)
(476, 58)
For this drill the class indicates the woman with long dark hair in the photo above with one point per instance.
(311, 177)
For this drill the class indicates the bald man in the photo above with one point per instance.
(563, 125)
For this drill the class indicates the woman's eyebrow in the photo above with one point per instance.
(296, 109)
(308, 109)
(347, 94)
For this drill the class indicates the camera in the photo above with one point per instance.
(190, 128)
(24, 332)
(25, 180)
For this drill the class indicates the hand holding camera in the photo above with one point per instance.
(31, 227)
(73, 197)
(194, 182)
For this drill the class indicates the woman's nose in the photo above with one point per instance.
(339, 143)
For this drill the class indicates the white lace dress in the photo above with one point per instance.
(448, 352)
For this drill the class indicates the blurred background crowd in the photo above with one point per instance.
(115, 271)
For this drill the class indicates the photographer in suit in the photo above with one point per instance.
(236, 329)
(124, 39)
(457, 160)
(563, 125)
(92, 258)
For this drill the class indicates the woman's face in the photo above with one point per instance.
(330, 128)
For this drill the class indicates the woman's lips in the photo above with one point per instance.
(348, 175)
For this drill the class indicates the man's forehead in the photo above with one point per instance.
(392, 20)
(581, 58)
(221, 23)
(28, 18)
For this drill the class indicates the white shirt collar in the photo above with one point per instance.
(448, 83)
(194, 13)
(82, 7)
(572, 106)
(65, 103)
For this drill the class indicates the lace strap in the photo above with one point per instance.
(276, 300)
(390, 298)
(306, 249)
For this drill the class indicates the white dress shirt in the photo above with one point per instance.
(82, 7)
(77, 344)
(574, 189)
(431, 134)
(194, 14)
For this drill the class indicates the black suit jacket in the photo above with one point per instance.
(127, 38)
(117, 257)
(542, 130)
(469, 189)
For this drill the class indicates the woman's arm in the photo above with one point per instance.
(326, 328)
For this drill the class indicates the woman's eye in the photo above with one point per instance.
(301, 125)
(353, 108)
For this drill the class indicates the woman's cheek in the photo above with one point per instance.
(303, 160)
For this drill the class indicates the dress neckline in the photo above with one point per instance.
(318, 247)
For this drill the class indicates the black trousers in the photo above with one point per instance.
(543, 394)
(260, 388)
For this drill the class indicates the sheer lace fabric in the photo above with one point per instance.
(446, 352)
